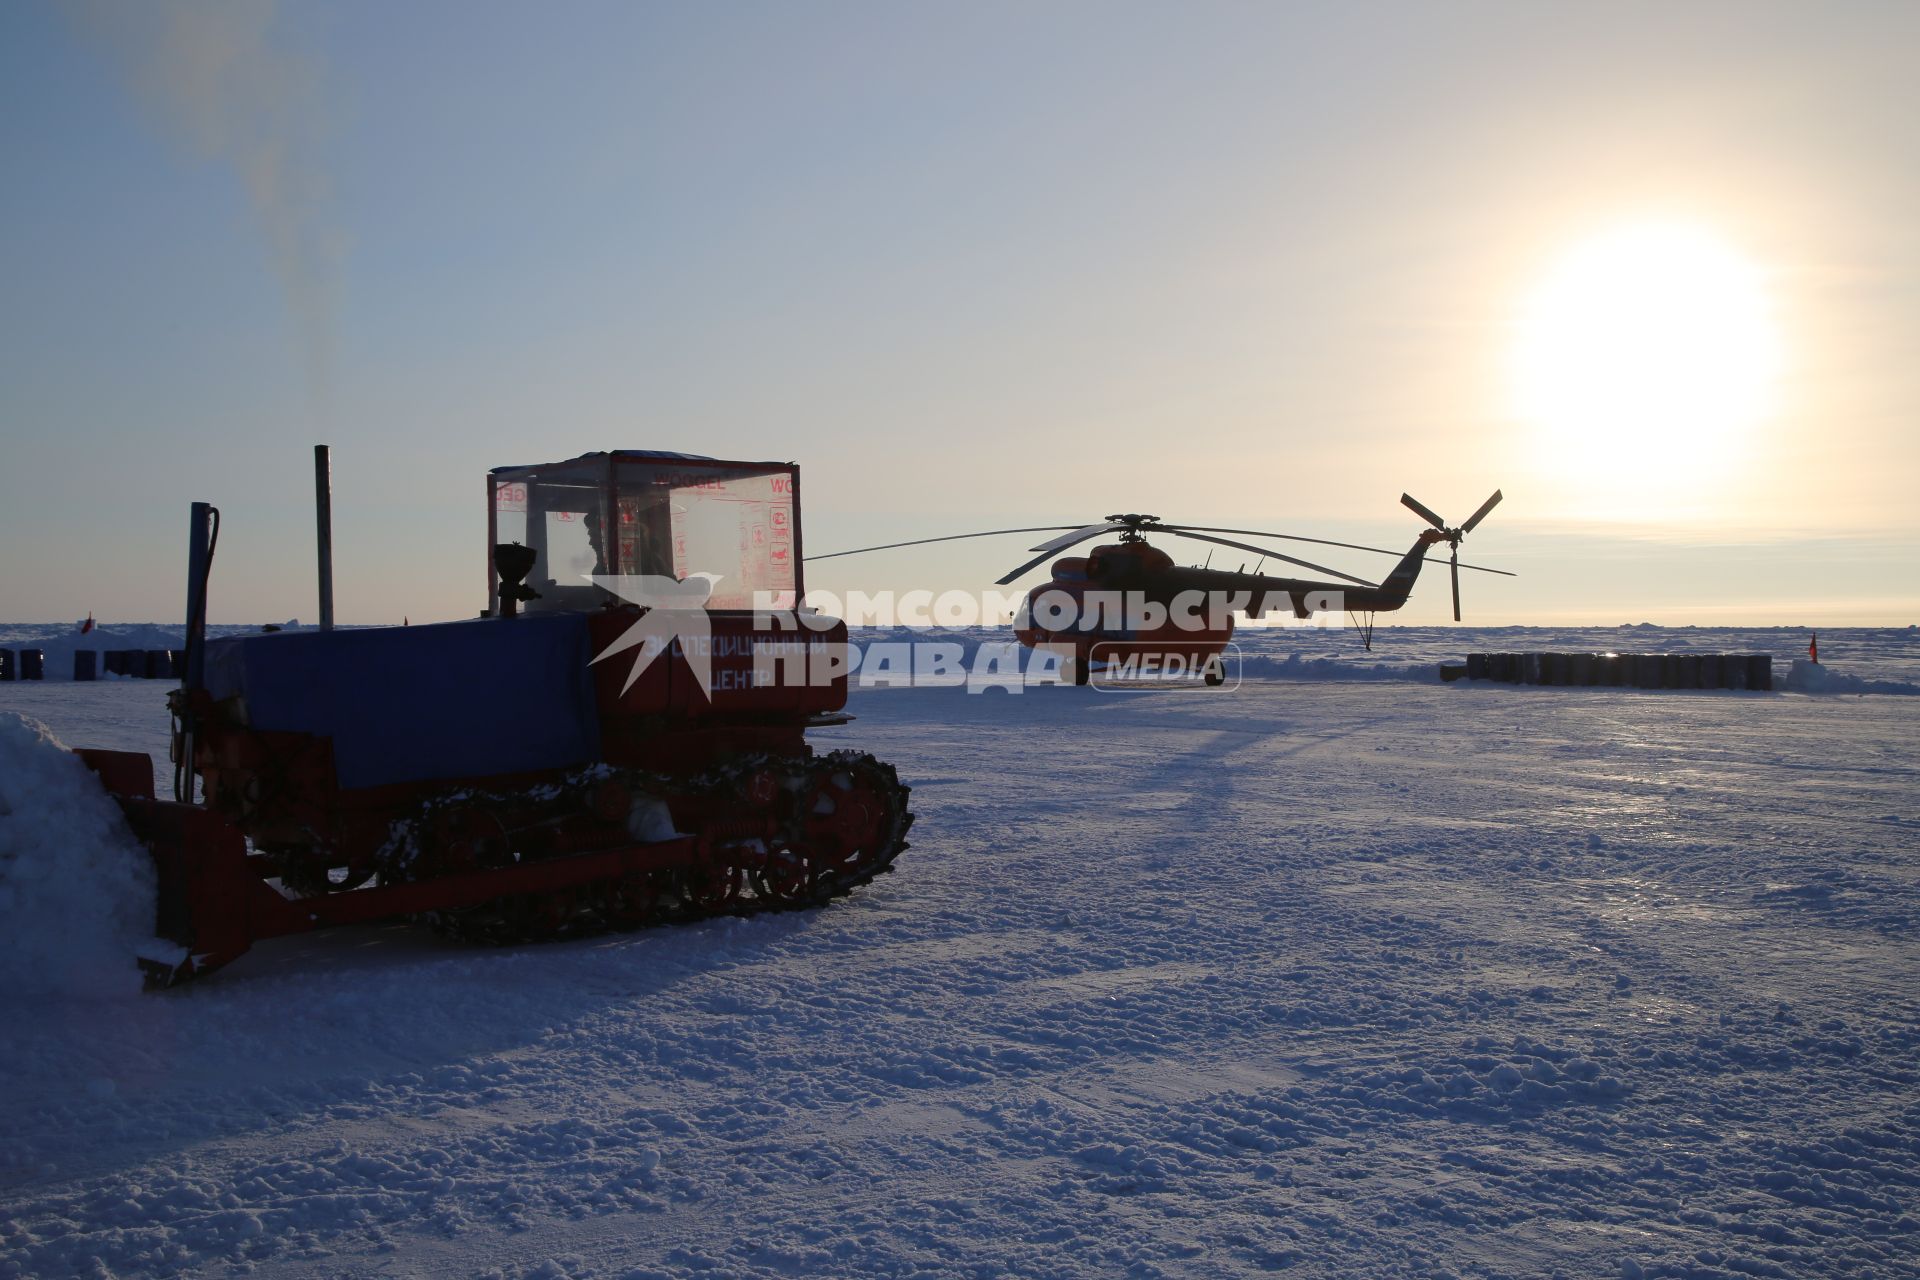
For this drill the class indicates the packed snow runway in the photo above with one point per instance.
(1346, 979)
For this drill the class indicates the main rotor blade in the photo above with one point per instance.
(1267, 552)
(1290, 537)
(1505, 573)
(952, 537)
(1406, 500)
(1081, 536)
(1481, 514)
(1078, 535)
(1456, 588)
(1325, 542)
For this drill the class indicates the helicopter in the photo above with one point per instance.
(1127, 606)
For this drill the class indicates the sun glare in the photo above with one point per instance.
(1643, 357)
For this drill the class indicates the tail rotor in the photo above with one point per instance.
(1451, 535)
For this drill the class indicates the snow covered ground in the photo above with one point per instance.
(1383, 978)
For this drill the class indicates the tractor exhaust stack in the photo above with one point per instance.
(323, 532)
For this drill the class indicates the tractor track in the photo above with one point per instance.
(811, 829)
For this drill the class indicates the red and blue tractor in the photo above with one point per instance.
(618, 740)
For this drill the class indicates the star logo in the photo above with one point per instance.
(671, 612)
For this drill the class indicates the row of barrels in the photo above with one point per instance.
(1626, 670)
(88, 664)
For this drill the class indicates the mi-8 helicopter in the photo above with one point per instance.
(1183, 615)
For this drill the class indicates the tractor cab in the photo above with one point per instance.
(639, 512)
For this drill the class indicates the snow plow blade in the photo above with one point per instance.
(214, 901)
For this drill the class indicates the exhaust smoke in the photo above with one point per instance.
(220, 77)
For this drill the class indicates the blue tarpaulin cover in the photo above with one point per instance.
(412, 704)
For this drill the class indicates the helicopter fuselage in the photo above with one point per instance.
(1130, 599)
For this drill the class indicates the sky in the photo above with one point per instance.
(972, 266)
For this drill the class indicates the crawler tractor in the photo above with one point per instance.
(618, 740)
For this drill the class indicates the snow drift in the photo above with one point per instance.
(76, 889)
(1814, 677)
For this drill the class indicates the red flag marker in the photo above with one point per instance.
(1813, 647)
(88, 624)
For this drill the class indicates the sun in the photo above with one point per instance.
(1643, 357)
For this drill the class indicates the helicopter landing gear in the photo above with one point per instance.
(1364, 621)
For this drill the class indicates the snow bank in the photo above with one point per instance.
(76, 889)
(1813, 677)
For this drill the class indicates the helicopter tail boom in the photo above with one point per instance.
(1398, 585)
